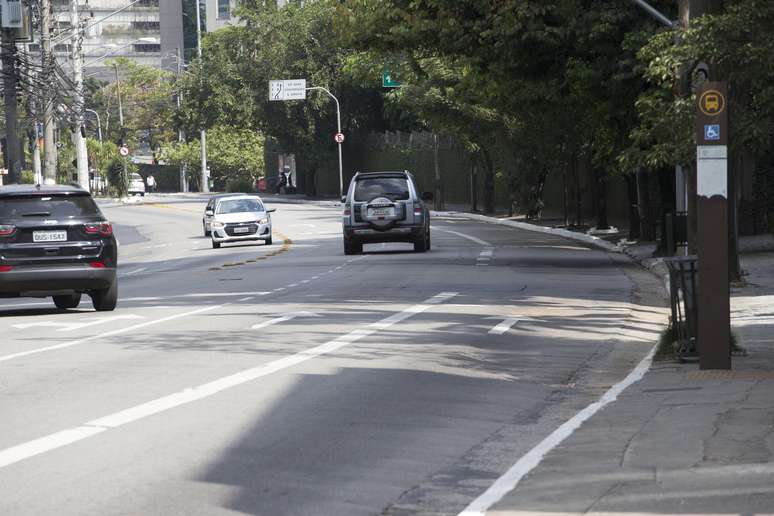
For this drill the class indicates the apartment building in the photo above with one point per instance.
(220, 13)
(145, 32)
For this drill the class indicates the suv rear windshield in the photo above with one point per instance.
(48, 206)
(394, 188)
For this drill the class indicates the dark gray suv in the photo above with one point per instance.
(385, 207)
(54, 241)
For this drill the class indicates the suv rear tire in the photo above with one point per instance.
(215, 245)
(421, 245)
(65, 302)
(353, 248)
(105, 300)
(267, 241)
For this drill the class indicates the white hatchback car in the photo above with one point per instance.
(239, 218)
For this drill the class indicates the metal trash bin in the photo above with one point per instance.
(683, 297)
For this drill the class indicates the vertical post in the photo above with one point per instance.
(12, 148)
(181, 133)
(714, 320)
(205, 177)
(438, 190)
(125, 178)
(81, 155)
(49, 145)
(341, 166)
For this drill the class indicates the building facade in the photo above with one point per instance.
(146, 33)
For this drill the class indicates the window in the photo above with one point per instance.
(54, 206)
(393, 188)
(240, 206)
(146, 25)
(147, 47)
(224, 9)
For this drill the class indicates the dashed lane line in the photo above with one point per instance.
(115, 420)
(111, 333)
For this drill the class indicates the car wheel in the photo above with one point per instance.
(428, 240)
(268, 241)
(215, 245)
(105, 300)
(204, 228)
(420, 246)
(65, 302)
(352, 248)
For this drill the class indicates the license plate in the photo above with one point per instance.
(49, 236)
(382, 212)
(242, 230)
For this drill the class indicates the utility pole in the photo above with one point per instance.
(205, 177)
(12, 148)
(49, 145)
(181, 133)
(81, 155)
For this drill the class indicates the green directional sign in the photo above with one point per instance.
(388, 81)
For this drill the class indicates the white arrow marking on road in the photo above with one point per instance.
(508, 323)
(284, 318)
(70, 326)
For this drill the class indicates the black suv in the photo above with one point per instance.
(54, 241)
(385, 207)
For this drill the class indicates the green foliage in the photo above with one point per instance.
(737, 47)
(147, 102)
(527, 86)
(233, 154)
(230, 86)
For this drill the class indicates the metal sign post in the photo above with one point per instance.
(714, 319)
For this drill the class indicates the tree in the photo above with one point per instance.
(235, 155)
(230, 85)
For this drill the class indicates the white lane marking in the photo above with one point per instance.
(487, 252)
(19, 305)
(224, 294)
(108, 334)
(284, 318)
(508, 323)
(293, 285)
(136, 271)
(482, 259)
(463, 235)
(534, 457)
(56, 440)
(197, 295)
(305, 281)
(71, 326)
(248, 298)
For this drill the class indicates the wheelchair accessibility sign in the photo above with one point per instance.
(712, 132)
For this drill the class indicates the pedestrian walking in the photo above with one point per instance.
(151, 183)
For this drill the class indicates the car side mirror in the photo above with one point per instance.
(427, 196)
(343, 198)
(209, 213)
(271, 210)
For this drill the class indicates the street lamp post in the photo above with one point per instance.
(338, 128)
(205, 176)
(78, 139)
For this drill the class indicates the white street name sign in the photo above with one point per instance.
(294, 89)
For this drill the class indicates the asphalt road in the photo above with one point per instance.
(293, 380)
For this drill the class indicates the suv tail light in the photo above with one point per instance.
(101, 228)
(417, 209)
(347, 210)
(5, 268)
(7, 230)
(97, 265)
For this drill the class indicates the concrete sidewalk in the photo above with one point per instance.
(680, 441)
